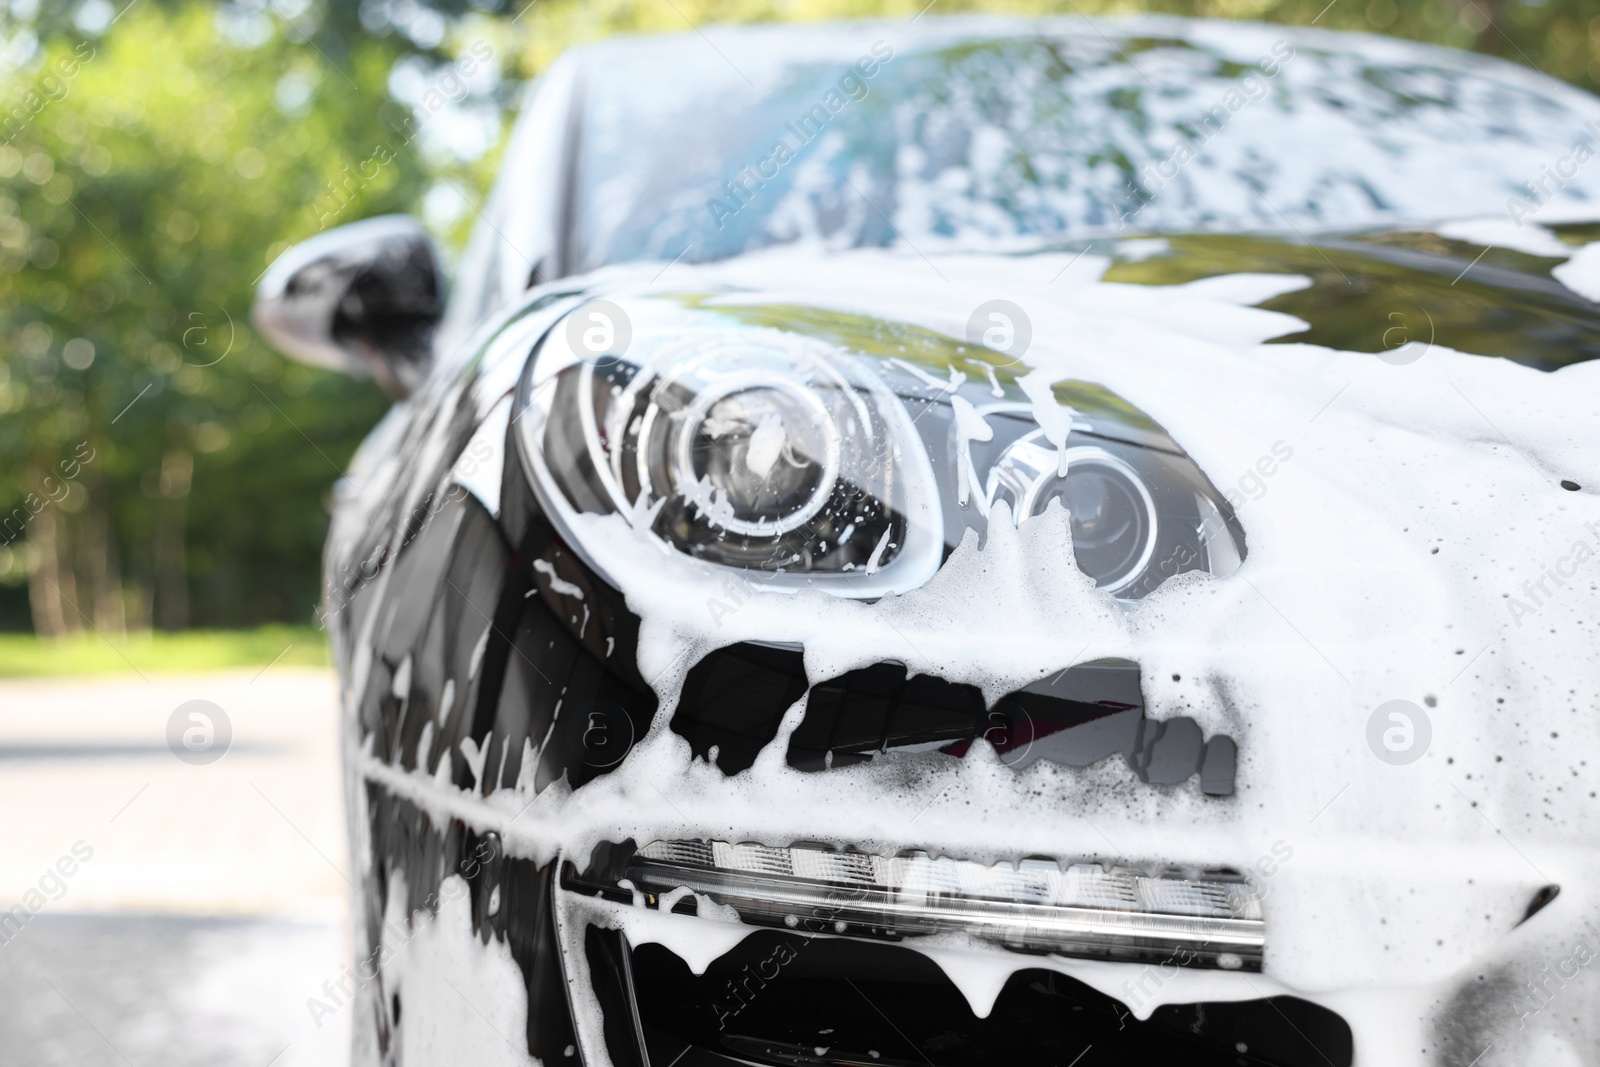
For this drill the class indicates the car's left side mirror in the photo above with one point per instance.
(364, 299)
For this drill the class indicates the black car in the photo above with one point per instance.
(981, 541)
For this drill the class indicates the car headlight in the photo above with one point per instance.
(830, 451)
(1114, 518)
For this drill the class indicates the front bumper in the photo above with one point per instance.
(789, 997)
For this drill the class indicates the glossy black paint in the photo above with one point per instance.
(390, 308)
(405, 843)
(499, 665)
(611, 975)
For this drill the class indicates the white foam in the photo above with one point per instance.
(461, 1000)
(1500, 231)
(1581, 273)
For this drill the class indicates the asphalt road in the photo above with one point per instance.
(165, 910)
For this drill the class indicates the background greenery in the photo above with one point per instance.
(142, 195)
(156, 651)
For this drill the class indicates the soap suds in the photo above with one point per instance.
(1581, 273)
(1501, 232)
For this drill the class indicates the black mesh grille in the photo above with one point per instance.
(734, 700)
(784, 999)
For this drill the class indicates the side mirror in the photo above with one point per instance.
(363, 299)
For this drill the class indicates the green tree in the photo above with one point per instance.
(138, 203)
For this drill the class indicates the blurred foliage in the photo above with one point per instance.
(155, 155)
(1560, 37)
(277, 647)
(136, 209)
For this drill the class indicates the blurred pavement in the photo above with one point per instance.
(214, 898)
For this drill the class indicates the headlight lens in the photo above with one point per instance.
(828, 450)
(1114, 518)
(761, 457)
(740, 446)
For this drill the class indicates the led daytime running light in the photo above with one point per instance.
(1080, 909)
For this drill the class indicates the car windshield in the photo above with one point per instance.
(707, 148)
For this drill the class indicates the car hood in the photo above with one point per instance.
(1432, 539)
